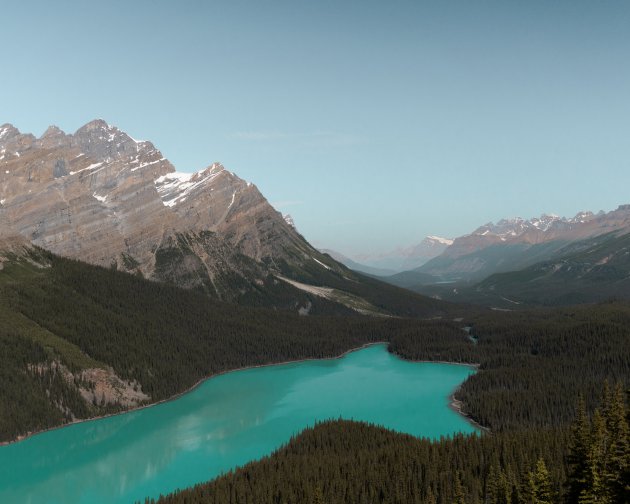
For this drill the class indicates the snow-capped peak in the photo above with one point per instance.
(582, 217)
(439, 239)
(289, 220)
(513, 227)
(8, 130)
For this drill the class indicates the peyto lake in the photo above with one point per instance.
(225, 422)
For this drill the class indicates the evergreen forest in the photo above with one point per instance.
(553, 429)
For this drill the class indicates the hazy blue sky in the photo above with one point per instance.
(373, 123)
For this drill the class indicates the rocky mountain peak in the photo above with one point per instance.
(582, 217)
(517, 226)
(102, 141)
(100, 196)
(7, 132)
(96, 140)
(94, 125)
(52, 131)
(53, 137)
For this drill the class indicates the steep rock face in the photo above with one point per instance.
(88, 196)
(100, 196)
(217, 200)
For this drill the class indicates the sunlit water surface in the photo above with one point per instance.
(225, 422)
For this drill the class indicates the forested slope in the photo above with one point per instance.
(60, 316)
(348, 462)
(534, 367)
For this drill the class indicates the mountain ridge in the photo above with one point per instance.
(103, 197)
(517, 242)
(400, 258)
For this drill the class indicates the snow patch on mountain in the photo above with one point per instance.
(175, 187)
(517, 226)
(320, 263)
(289, 220)
(439, 239)
(4, 131)
(406, 258)
(87, 168)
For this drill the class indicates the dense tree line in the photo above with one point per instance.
(161, 336)
(352, 462)
(600, 452)
(532, 368)
(22, 397)
(348, 462)
(532, 365)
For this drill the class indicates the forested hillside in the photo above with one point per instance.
(350, 462)
(534, 369)
(62, 319)
(591, 270)
(583, 272)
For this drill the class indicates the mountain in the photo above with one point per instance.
(289, 220)
(585, 271)
(592, 270)
(402, 259)
(100, 196)
(353, 265)
(427, 249)
(108, 199)
(513, 244)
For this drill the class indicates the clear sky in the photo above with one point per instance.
(373, 123)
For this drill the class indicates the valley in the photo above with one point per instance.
(127, 284)
(354, 252)
(549, 261)
(531, 369)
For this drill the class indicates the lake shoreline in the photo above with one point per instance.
(454, 404)
(457, 406)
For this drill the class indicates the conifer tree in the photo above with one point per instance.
(430, 497)
(617, 448)
(458, 490)
(492, 485)
(540, 491)
(579, 453)
(318, 496)
(596, 490)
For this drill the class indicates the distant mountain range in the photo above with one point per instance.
(544, 260)
(586, 271)
(100, 196)
(353, 265)
(516, 243)
(397, 260)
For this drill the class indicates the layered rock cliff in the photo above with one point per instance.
(100, 196)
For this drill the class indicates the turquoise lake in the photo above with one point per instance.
(227, 421)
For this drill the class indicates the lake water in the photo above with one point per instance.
(225, 422)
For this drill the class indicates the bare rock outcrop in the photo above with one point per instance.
(100, 196)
